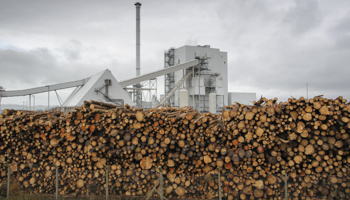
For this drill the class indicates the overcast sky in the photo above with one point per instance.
(274, 47)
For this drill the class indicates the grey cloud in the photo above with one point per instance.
(37, 67)
(21, 66)
(289, 67)
(72, 50)
(239, 17)
(279, 57)
(344, 25)
(340, 33)
(304, 16)
(81, 20)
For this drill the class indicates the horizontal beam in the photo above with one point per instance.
(155, 74)
(43, 89)
(140, 88)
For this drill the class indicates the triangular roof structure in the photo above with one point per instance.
(90, 91)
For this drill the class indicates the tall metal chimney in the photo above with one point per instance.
(138, 6)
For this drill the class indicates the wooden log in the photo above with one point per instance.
(309, 137)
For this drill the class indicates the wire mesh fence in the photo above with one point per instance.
(52, 182)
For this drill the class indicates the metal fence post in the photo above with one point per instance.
(56, 197)
(161, 186)
(107, 192)
(8, 180)
(161, 183)
(285, 185)
(219, 182)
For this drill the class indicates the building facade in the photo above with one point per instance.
(211, 78)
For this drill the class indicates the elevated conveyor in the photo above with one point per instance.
(43, 89)
(88, 88)
(155, 74)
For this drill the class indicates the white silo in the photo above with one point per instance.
(212, 103)
(183, 98)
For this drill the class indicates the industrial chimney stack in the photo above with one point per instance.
(138, 6)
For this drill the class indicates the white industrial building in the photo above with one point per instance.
(209, 78)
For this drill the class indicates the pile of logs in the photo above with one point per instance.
(253, 147)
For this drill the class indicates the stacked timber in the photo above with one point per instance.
(252, 147)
